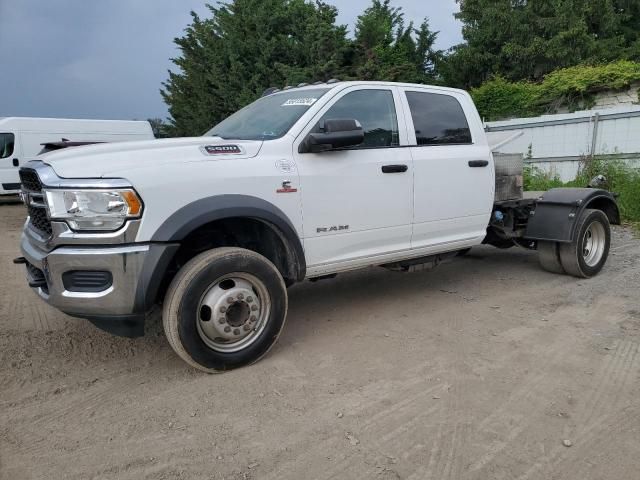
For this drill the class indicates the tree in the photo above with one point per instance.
(387, 49)
(159, 127)
(524, 39)
(246, 46)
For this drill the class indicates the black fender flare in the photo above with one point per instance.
(557, 211)
(166, 240)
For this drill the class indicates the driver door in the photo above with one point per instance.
(357, 202)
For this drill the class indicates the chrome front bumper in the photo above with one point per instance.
(120, 299)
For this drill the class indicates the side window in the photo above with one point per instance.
(6, 144)
(376, 112)
(438, 119)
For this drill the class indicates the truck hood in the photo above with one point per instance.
(114, 159)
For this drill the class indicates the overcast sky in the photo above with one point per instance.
(107, 58)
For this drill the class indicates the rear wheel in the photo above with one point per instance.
(585, 256)
(549, 257)
(225, 309)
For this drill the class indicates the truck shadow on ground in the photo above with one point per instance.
(353, 299)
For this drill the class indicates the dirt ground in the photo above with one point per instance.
(478, 370)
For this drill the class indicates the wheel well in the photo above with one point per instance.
(609, 208)
(251, 233)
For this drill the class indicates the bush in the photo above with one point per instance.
(572, 87)
(537, 180)
(623, 179)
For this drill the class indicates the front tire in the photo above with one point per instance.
(585, 256)
(225, 309)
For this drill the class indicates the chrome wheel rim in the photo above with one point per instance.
(593, 244)
(233, 312)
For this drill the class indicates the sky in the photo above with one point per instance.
(108, 58)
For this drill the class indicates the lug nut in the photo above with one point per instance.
(230, 300)
(236, 331)
(254, 308)
(222, 321)
(249, 299)
(253, 318)
(240, 296)
(246, 328)
(227, 329)
(223, 309)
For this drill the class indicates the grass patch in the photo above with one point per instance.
(622, 179)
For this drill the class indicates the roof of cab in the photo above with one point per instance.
(350, 83)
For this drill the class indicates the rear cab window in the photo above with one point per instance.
(7, 142)
(438, 119)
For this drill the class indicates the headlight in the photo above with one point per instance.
(102, 210)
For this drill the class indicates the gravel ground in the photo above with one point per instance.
(486, 368)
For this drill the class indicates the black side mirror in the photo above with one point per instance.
(335, 133)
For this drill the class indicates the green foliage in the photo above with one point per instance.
(525, 40)
(159, 127)
(246, 46)
(572, 87)
(499, 98)
(228, 60)
(622, 178)
(538, 180)
(386, 49)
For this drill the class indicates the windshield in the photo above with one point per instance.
(269, 117)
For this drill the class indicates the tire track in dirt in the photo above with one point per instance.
(388, 432)
(445, 460)
(592, 438)
(616, 375)
(384, 423)
(611, 376)
(33, 439)
(503, 422)
(607, 378)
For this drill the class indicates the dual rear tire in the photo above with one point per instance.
(583, 257)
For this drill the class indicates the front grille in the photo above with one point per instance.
(29, 179)
(38, 214)
(39, 219)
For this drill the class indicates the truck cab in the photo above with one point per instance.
(304, 183)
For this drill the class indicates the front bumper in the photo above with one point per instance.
(120, 308)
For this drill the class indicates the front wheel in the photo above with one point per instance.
(585, 256)
(225, 309)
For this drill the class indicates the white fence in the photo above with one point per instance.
(557, 143)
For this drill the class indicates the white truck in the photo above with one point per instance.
(24, 137)
(304, 183)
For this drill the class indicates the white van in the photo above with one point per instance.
(23, 137)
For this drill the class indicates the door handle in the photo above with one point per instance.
(16, 162)
(394, 168)
(478, 163)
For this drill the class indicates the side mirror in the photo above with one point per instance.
(335, 133)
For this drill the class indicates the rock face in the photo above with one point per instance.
(616, 98)
(612, 98)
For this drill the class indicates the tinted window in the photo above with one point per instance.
(376, 112)
(6, 144)
(269, 117)
(438, 119)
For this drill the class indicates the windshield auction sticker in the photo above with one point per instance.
(300, 102)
